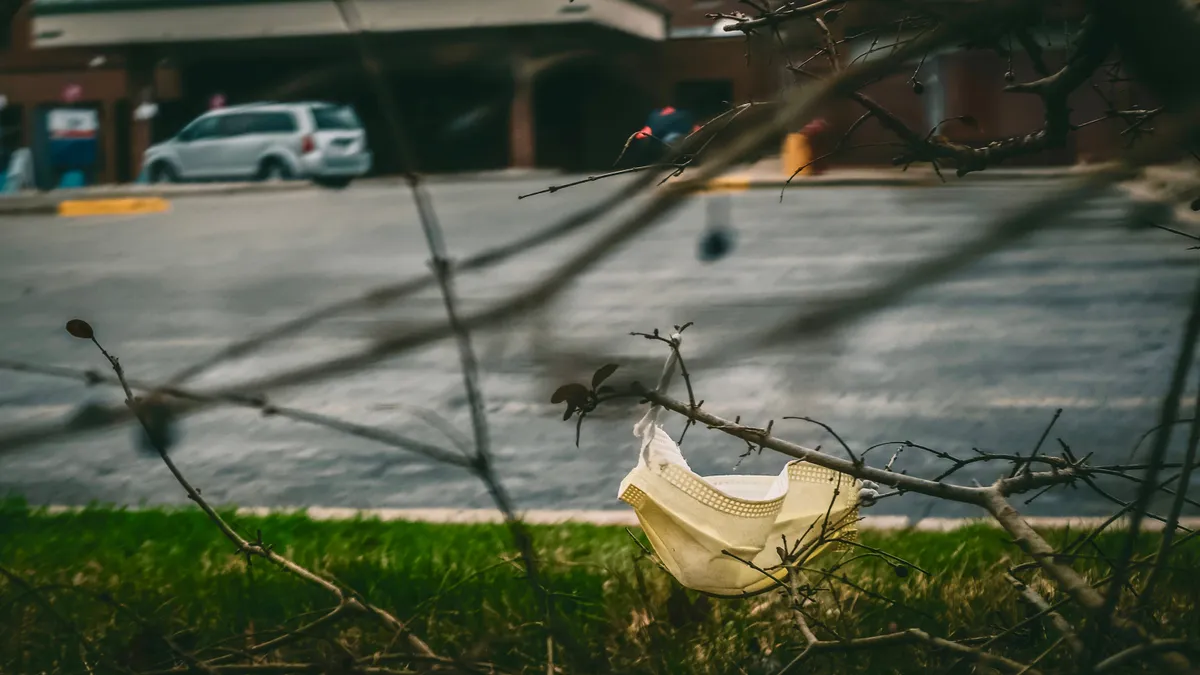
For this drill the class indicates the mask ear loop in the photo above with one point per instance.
(664, 383)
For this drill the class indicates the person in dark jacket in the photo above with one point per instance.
(665, 129)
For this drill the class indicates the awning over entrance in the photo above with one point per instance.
(72, 23)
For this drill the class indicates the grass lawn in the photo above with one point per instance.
(175, 576)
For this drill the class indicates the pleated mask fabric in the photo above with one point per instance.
(694, 522)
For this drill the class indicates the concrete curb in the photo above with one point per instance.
(499, 176)
(47, 203)
(887, 178)
(627, 518)
(738, 183)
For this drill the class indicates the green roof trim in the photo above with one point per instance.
(51, 7)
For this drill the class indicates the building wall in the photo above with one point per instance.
(751, 79)
(973, 85)
(972, 81)
(36, 78)
(603, 100)
(690, 13)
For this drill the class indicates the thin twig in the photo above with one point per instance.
(1039, 603)
(261, 404)
(1045, 432)
(242, 546)
(1168, 411)
(992, 498)
(1138, 651)
(435, 240)
(908, 637)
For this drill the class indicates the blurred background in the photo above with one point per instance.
(553, 84)
(502, 98)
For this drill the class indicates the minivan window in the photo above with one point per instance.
(332, 118)
(235, 124)
(273, 123)
(205, 127)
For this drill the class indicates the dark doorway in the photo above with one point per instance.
(122, 126)
(12, 118)
(459, 120)
(583, 116)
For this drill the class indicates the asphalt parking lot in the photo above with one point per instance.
(1084, 318)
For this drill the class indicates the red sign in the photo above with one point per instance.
(72, 93)
(217, 101)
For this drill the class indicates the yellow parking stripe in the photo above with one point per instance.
(727, 184)
(113, 207)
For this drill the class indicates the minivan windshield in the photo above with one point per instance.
(335, 117)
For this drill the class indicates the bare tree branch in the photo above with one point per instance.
(257, 548)
(909, 637)
(1185, 481)
(1167, 414)
(836, 312)
(788, 12)
(1039, 603)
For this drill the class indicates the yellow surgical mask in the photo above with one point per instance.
(691, 521)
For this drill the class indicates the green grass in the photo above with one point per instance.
(178, 578)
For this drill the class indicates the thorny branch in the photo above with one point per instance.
(1169, 411)
(268, 409)
(1063, 470)
(833, 313)
(788, 12)
(800, 594)
(1035, 599)
(1089, 50)
(444, 276)
(992, 498)
(1092, 48)
(908, 637)
(146, 418)
(1184, 482)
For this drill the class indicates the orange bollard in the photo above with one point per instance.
(797, 151)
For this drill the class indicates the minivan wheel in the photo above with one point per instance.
(161, 172)
(332, 182)
(273, 170)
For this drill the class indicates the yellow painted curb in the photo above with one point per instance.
(727, 184)
(113, 207)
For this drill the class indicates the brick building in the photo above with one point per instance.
(482, 83)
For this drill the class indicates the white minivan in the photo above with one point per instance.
(322, 142)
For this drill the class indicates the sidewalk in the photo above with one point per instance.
(766, 174)
(47, 203)
(769, 173)
(44, 203)
(627, 518)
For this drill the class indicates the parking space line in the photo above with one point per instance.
(113, 207)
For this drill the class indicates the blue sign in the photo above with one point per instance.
(73, 137)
